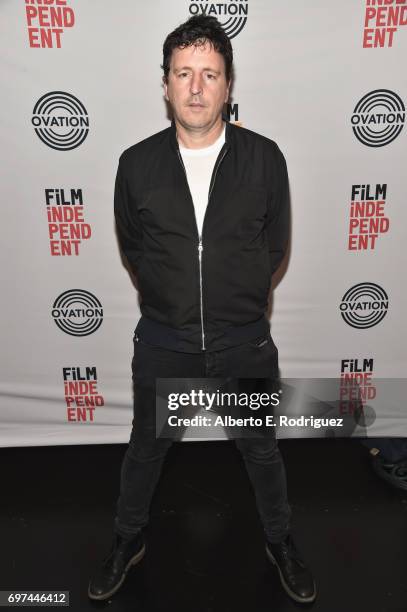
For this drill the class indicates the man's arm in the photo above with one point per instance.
(127, 220)
(278, 223)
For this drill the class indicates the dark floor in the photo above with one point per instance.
(205, 545)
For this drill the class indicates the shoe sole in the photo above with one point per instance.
(133, 561)
(285, 585)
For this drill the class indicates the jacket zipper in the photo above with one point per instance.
(200, 249)
(200, 245)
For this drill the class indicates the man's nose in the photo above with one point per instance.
(196, 85)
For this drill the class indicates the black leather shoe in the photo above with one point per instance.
(124, 553)
(296, 579)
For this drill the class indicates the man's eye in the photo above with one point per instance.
(211, 76)
(183, 74)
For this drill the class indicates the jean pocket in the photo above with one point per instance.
(141, 343)
(262, 342)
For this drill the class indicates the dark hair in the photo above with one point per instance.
(196, 31)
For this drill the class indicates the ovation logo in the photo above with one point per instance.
(231, 14)
(60, 120)
(378, 118)
(364, 305)
(77, 312)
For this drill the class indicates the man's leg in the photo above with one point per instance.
(266, 471)
(145, 454)
(258, 359)
(142, 462)
(265, 467)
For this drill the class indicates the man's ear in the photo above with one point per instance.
(228, 91)
(165, 85)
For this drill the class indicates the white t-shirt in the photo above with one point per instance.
(199, 165)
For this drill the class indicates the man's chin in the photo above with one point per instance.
(194, 126)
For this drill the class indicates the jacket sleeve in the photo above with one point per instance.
(128, 225)
(278, 223)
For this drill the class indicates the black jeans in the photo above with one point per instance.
(145, 454)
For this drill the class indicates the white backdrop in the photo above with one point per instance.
(301, 70)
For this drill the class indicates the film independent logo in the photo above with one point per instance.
(60, 120)
(77, 312)
(378, 118)
(231, 14)
(364, 305)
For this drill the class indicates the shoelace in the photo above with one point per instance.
(290, 551)
(109, 559)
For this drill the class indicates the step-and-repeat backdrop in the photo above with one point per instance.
(81, 81)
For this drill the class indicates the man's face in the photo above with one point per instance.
(197, 87)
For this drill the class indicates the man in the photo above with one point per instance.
(202, 217)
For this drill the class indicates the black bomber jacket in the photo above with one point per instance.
(208, 292)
